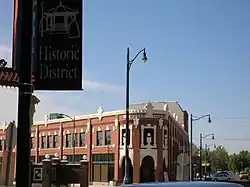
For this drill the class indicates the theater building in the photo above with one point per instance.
(157, 132)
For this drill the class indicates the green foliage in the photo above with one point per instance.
(218, 158)
(239, 162)
(221, 160)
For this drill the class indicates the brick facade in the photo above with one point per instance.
(154, 134)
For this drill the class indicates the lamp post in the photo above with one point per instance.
(73, 135)
(202, 136)
(127, 179)
(192, 119)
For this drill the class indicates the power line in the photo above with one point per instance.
(229, 139)
(231, 118)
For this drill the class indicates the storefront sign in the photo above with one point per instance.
(59, 63)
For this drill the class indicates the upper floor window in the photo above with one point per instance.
(1, 145)
(49, 141)
(108, 137)
(82, 139)
(99, 138)
(43, 142)
(68, 140)
(55, 141)
(32, 146)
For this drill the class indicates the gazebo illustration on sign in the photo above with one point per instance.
(60, 20)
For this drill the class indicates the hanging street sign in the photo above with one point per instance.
(10, 77)
(59, 45)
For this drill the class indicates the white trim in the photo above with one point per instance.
(112, 113)
(148, 126)
(131, 135)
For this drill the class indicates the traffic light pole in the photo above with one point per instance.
(23, 58)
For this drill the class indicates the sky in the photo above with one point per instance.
(198, 54)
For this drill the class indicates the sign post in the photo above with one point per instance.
(23, 60)
(59, 45)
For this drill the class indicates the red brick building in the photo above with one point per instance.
(157, 131)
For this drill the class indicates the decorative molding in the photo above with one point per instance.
(149, 110)
(131, 136)
(161, 122)
(116, 124)
(153, 153)
(140, 113)
(100, 112)
(122, 155)
(136, 122)
(88, 127)
(148, 126)
(60, 128)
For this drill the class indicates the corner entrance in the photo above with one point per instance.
(147, 169)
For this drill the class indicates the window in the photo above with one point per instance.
(1, 145)
(68, 140)
(49, 141)
(99, 138)
(74, 158)
(55, 141)
(75, 142)
(32, 146)
(43, 142)
(82, 139)
(4, 144)
(103, 167)
(108, 137)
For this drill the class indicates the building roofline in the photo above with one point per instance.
(104, 114)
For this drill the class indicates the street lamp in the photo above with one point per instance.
(73, 135)
(202, 136)
(191, 140)
(127, 179)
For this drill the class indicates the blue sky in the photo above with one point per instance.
(198, 55)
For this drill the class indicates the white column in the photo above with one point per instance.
(142, 135)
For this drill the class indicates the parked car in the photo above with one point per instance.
(186, 184)
(233, 176)
(222, 176)
(244, 175)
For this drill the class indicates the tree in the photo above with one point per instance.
(233, 163)
(195, 150)
(219, 158)
(240, 161)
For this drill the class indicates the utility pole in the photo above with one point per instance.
(23, 58)
(200, 156)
